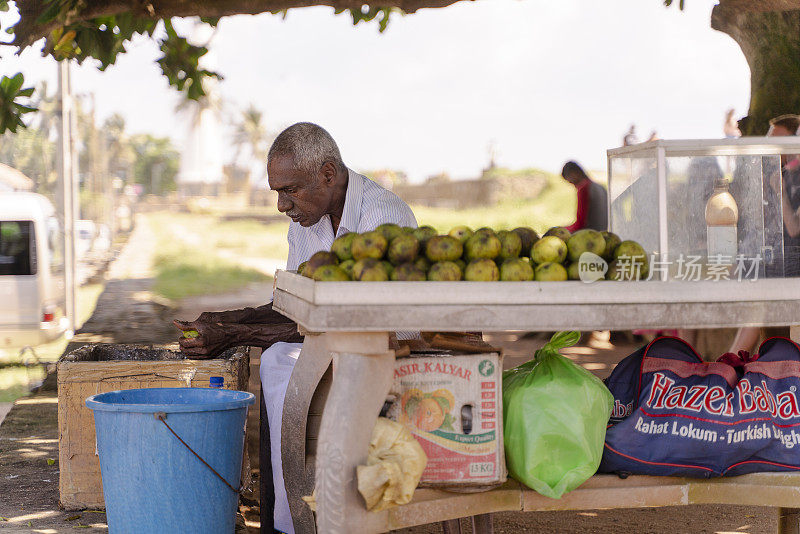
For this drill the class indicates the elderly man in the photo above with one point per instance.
(325, 200)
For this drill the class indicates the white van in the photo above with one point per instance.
(31, 271)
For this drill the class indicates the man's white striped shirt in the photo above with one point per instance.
(366, 206)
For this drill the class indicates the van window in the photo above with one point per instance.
(17, 248)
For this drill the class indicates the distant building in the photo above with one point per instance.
(13, 180)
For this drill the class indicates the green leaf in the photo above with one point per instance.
(11, 110)
(50, 13)
(15, 83)
(443, 403)
(52, 461)
(447, 424)
(411, 406)
(368, 13)
(180, 64)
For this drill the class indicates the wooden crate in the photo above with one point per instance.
(93, 369)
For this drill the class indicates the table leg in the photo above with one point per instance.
(788, 521)
(482, 524)
(362, 374)
(298, 475)
(451, 526)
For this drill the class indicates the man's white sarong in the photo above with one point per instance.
(277, 363)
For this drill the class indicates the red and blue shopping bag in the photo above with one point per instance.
(675, 414)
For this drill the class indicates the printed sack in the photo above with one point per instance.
(675, 414)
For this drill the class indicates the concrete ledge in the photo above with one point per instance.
(599, 492)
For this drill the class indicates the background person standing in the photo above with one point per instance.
(592, 209)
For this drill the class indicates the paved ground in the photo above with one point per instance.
(128, 313)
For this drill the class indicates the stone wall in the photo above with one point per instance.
(462, 194)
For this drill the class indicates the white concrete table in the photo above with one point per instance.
(349, 323)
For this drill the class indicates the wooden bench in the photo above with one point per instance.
(346, 368)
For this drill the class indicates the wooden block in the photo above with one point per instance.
(80, 484)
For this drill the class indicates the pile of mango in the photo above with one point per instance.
(391, 252)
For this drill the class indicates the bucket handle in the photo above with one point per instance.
(162, 416)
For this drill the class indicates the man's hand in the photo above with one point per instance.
(211, 339)
(214, 337)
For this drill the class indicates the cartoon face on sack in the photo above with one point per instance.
(694, 418)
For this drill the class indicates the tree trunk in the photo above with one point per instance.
(770, 42)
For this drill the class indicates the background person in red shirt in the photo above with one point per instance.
(592, 199)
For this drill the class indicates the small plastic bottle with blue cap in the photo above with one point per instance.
(216, 382)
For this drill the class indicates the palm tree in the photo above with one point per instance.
(120, 153)
(47, 121)
(48, 106)
(252, 137)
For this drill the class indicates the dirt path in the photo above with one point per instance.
(5, 407)
(252, 295)
(127, 311)
(29, 471)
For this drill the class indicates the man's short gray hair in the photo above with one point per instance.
(309, 145)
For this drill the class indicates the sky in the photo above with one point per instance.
(541, 81)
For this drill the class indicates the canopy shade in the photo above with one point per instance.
(28, 30)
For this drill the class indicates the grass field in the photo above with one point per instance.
(554, 207)
(197, 254)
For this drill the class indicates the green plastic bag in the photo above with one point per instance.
(554, 420)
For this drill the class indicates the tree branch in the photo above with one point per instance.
(727, 14)
(28, 31)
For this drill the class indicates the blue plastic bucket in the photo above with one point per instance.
(151, 481)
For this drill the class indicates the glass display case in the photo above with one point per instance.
(709, 203)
